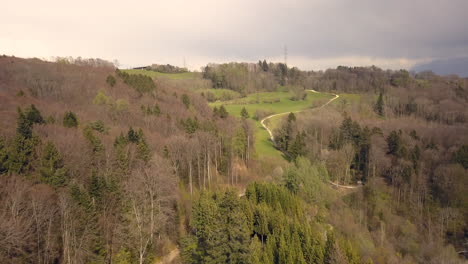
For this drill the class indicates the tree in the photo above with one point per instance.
(132, 135)
(70, 120)
(143, 149)
(265, 66)
(52, 168)
(333, 252)
(34, 116)
(186, 100)
(291, 181)
(461, 156)
(222, 113)
(395, 144)
(379, 106)
(3, 157)
(110, 80)
(24, 125)
(244, 113)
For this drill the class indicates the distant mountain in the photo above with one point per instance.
(457, 66)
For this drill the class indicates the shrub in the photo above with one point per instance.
(121, 105)
(70, 120)
(111, 81)
(101, 99)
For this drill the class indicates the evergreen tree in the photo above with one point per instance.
(333, 252)
(52, 168)
(461, 156)
(3, 157)
(395, 144)
(96, 145)
(291, 181)
(238, 233)
(379, 106)
(186, 100)
(34, 116)
(239, 142)
(265, 66)
(143, 150)
(24, 125)
(22, 151)
(255, 251)
(244, 113)
(222, 113)
(132, 135)
(70, 120)
(297, 147)
(111, 81)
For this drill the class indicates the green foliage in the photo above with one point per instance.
(132, 136)
(190, 125)
(111, 81)
(291, 181)
(379, 106)
(70, 120)
(19, 156)
(186, 100)
(151, 110)
(20, 93)
(33, 115)
(141, 83)
(297, 147)
(222, 235)
(121, 105)
(99, 126)
(101, 99)
(52, 168)
(95, 143)
(461, 156)
(395, 144)
(401, 78)
(221, 112)
(3, 156)
(24, 125)
(244, 113)
(143, 149)
(239, 142)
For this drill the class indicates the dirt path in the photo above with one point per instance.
(270, 116)
(169, 258)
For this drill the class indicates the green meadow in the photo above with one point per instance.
(273, 103)
(173, 76)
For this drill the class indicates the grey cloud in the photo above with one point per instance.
(149, 31)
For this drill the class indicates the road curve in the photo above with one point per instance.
(270, 116)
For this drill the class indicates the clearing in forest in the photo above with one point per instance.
(270, 103)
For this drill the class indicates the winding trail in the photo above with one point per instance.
(270, 116)
(169, 258)
(273, 139)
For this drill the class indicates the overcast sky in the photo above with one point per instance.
(318, 33)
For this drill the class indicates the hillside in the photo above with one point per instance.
(101, 165)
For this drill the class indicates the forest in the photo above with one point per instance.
(104, 165)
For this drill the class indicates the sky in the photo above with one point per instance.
(318, 34)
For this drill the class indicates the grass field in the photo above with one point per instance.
(220, 94)
(174, 76)
(268, 101)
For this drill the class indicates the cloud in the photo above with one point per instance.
(318, 33)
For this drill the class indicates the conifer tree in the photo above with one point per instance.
(143, 150)
(34, 116)
(222, 113)
(52, 168)
(244, 113)
(70, 120)
(379, 106)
